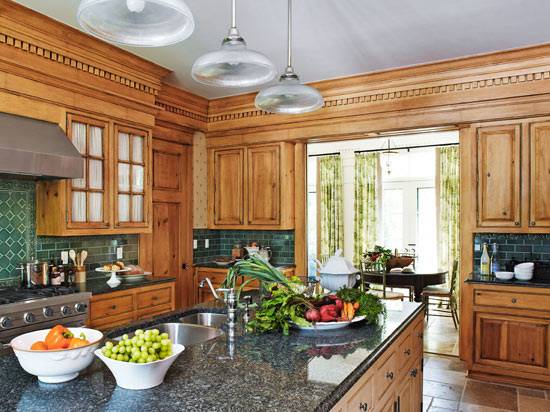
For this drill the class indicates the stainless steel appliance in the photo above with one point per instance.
(26, 309)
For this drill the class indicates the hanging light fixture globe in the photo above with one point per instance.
(234, 65)
(289, 96)
(141, 23)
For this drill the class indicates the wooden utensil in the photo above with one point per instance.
(72, 255)
(83, 256)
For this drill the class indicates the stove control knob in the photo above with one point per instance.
(48, 312)
(5, 322)
(80, 307)
(29, 317)
(65, 310)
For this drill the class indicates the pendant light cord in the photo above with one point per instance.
(233, 15)
(289, 45)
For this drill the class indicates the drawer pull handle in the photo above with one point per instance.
(414, 372)
(113, 307)
(407, 352)
(514, 300)
(389, 375)
(420, 335)
(155, 298)
(364, 406)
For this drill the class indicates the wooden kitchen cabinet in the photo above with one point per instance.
(113, 197)
(108, 310)
(251, 187)
(499, 175)
(510, 332)
(539, 160)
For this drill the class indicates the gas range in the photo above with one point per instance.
(24, 310)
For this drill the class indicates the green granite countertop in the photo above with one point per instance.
(270, 372)
(98, 286)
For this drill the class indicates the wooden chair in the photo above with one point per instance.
(441, 297)
(383, 293)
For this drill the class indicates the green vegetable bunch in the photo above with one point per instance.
(370, 306)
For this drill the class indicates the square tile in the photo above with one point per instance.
(444, 404)
(534, 393)
(531, 404)
(490, 395)
(443, 390)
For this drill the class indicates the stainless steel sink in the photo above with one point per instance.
(206, 319)
(186, 334)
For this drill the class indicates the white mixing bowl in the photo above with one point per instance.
(55, 366)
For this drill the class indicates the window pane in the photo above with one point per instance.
(96, 207)
(137, 149)
(124, 177)
(426, 243)
(79, 136)
(137, 208)
(96, 141)
(123, 146)
(78, 210)
(137, 179)
(123, 208)
(96, 174)
(80, 183)
(392, 212)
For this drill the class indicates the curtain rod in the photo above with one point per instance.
(324, 154)
(405, 148)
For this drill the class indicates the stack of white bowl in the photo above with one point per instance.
(524, 271)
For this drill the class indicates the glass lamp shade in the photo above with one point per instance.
(233, 66)
(142, 23)
(289, 96)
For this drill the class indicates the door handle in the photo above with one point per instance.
(184, 266)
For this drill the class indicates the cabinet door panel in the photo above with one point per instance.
(527, 343)
(498, 171)
(539, 157)
(264, 185)
(229, 187)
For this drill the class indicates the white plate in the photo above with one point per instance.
(111, 271)
(330, 325)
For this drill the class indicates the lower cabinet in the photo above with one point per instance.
(217, 276)
(511, 335)
(394, 382)
(118, 308)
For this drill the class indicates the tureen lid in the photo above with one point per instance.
(338, 265)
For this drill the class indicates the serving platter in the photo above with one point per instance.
(329, 325)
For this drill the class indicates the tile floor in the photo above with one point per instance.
(440, 336)
(446, 388)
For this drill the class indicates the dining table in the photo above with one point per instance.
(418, 280)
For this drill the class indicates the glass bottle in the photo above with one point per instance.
(495, 265)
(484, 267)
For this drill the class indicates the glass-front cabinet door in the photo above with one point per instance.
(88, 196)
(131, 177)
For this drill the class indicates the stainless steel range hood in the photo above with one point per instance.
(36, 148)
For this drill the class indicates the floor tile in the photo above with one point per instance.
(490, 395)
(530, 404)
(467, 407)
(534, 393)
(444, 362)
(426, 402)
(445, 404)
(443, 390)
(445, 376)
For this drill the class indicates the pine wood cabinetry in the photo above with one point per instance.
(114, 196)
(251, 187)
(512, 172)
(511, 334)
(394, 382)
(118, 308)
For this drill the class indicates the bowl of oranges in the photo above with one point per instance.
(58, 354)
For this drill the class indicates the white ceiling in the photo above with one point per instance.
(337, 38)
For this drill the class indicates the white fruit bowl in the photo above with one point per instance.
(138, 376)
(55, 366)
(504, 275)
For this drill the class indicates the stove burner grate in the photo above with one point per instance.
(36, 292)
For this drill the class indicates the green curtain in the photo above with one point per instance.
(331, 217)
(366, 201)
(449, 206)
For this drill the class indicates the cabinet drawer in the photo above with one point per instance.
(215, 277)
(512, 300)
(111, 307)
(154, 298)
(384, 376)
(361, 398)
(406, 353)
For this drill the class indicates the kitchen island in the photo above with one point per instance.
(359, 368)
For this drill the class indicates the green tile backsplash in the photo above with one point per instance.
(18, 240)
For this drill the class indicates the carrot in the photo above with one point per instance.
(356, 305)
(351, 311)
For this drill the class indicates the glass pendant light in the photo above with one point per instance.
(142, 23)
(233, 65)
(289, 96)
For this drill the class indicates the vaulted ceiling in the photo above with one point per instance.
(338, 38)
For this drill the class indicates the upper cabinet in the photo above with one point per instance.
(114, 195)
(513, 170)
(498, 175)
(251, 187)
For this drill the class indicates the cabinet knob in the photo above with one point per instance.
(516, 223)
(113, 307)
(514, 300)
(389, 375)
(407, 352)
(414, 372)
(533, 223)
(364, 406)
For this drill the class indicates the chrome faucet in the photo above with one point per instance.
(230, 300)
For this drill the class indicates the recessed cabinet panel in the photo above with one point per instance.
(539, 157)
(499, 176)
(264, 182)
(229, 187)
